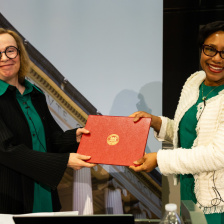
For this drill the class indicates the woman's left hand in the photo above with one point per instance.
(77, 161)
(79, 133)
(147, 163)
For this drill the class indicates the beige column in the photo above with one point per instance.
(82, 192)
(140, 215)
(140, 211)
(113, 202)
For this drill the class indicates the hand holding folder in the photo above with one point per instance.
(114, 140)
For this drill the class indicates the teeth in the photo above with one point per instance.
(215, 68)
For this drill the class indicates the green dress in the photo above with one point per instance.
(42, 193)
(187, 135)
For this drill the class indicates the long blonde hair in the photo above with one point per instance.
(24, 58)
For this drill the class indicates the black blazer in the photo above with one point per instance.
(19, 164)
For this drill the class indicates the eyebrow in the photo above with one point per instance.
(11, 46)
(214, 46)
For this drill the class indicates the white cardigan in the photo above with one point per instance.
(205, 160)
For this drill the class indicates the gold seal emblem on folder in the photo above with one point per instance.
(112, 139)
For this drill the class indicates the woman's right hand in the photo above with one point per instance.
(155, 122)
(77, 161)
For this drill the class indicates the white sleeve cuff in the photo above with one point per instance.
(161, 135)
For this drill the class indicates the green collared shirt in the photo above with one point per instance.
(42, 194)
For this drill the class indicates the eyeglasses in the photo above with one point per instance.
(10, 52)
(211, 51)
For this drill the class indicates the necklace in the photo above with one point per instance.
(205, 97)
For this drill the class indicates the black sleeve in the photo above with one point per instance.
(47, 168)
(16, 144)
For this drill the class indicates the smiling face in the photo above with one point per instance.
(214, 66)
(9, 68)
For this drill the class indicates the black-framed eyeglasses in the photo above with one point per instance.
(10, 52)
(211, 51)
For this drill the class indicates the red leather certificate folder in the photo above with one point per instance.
(114, 140)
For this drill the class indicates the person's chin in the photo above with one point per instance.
(215, 78)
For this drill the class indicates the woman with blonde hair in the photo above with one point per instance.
(34, 151)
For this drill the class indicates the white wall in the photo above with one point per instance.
(110, 50)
